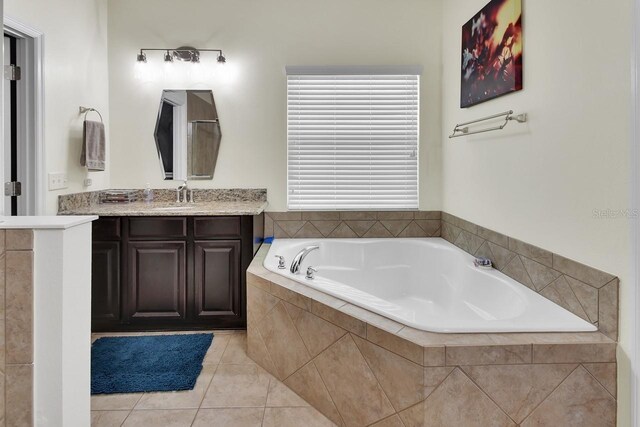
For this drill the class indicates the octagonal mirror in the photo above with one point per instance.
(187, 134)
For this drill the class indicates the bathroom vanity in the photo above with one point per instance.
(168, 266)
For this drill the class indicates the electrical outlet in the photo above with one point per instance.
(88, 182)
(58, 181)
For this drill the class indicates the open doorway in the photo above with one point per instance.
(22, 153)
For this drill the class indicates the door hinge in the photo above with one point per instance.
(13, 188)
(12, 72)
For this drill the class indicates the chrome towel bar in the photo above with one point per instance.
(462, 129)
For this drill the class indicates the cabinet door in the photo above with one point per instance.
(217, 281)
(105, 285)
(156, 281)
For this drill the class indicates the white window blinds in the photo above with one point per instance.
(352, 141)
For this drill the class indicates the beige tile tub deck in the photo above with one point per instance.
(360, 368)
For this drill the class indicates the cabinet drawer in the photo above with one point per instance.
(106, 228)
(158, 227)
(216, 227)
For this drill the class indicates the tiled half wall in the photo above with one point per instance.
(583, 290)
(359, 368)
(16, 327)
(352, 224)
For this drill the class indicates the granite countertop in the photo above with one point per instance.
(214, 208)
(208, 203)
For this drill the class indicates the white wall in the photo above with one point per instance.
(75, 73)
(541, 182)
(259, 38)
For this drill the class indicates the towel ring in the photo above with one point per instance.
(87, 110)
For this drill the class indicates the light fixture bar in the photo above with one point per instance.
(183, 53)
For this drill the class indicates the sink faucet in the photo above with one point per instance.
(295, 265)
(183, 188)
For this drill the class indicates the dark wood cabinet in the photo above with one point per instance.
(157, 282)
(105, 283)
(216, 281)
(170, 273)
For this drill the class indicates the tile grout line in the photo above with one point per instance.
(551, 392)
(264, 410)
(384, 392)
(267, 351)
(295, 328)
(209, 385)
(573, 292)
(600, 383)
(325, 384)
(223, 352)
(466, 374)
(125, 418)
(423, 401)
(194, 418)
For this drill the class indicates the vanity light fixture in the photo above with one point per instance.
(184, 53)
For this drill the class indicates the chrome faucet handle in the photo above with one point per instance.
(191, 195)
(310, 273)
(281, 262)
(178, 195)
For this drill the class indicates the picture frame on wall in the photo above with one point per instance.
(491, 52)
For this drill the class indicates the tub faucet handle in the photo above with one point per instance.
(281, 262)
(310, 273)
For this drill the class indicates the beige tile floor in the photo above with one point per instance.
(231, 391)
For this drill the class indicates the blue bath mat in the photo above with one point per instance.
(148, 363)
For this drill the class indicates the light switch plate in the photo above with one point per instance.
(58, 181)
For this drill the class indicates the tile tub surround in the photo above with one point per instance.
(359, 368)
(588, 293)
(80, 203)
(352, 224)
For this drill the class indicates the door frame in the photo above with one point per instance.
(32, 120)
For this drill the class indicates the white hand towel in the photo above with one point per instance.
(93, 146)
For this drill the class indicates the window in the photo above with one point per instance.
(352, 139)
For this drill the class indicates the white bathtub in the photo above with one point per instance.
(427, 284)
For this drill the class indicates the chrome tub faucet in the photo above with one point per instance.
(295, 265)
(482, 262)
